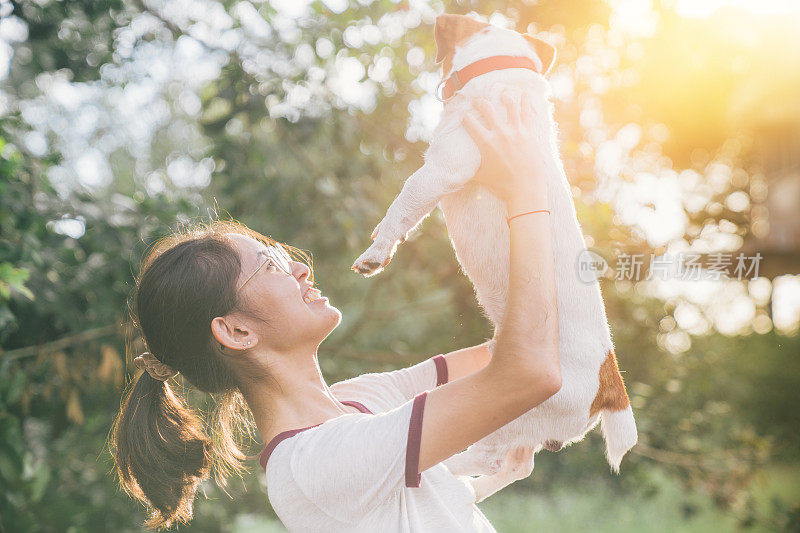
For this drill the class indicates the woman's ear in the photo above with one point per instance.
(233, 336)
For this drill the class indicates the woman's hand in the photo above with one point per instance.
(511, 161)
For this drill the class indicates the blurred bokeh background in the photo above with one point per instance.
(680, 130)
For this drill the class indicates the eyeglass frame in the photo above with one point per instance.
(267, 260)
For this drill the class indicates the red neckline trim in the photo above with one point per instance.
(282, 436)
(459, 78)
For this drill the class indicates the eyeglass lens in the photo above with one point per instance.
(280, 258)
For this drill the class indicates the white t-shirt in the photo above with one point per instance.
(359, 472)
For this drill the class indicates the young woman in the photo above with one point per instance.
(237, 316)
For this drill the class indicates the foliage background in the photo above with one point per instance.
(680, 130)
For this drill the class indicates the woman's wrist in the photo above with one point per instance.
(525, 202)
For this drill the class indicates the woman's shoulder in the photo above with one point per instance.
(313, 444)
(381, 391)
(285, 443)
(372, 390)
(351, 454)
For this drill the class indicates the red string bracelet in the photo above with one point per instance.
(508, 219)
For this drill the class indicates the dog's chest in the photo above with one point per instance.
(475, 220)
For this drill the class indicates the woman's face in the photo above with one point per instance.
(288, 321)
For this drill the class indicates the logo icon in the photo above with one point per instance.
(591, 266)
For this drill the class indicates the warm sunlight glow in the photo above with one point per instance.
(706, 8)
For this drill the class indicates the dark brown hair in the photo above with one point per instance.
(161, 449)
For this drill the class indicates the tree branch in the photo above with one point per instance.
(60, 344)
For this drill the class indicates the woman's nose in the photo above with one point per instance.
(300, 270)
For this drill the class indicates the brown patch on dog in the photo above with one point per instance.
(611, 395)
(451, 30)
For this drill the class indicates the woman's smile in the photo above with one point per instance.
(312, 295)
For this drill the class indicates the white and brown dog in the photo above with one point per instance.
(483, 61)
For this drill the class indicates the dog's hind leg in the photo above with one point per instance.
(518, 465)
(480, 459)
(472, 462)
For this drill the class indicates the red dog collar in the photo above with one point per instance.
(459, 78)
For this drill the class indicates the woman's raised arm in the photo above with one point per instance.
(524, 370)
(466, 361)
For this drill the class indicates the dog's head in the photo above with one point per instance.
(461, 39)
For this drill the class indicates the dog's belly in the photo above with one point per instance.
(564, 417)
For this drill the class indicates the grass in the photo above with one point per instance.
(585, 508)
(669, 510)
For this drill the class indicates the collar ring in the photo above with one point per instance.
(438, 92)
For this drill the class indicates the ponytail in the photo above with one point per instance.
(161, 450)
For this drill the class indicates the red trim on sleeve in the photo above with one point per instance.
(441, 369)
(413, 476)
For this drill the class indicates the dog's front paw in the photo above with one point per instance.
(374, 258)
(376, 231)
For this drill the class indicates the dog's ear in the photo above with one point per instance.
(450, 30)
(545, 51)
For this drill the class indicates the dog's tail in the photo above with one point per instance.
(619, 432)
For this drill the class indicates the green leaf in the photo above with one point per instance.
(41, 478)
(13, 278)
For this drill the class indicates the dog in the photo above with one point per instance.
(483, 61)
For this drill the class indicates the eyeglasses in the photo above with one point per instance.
(277, 258)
